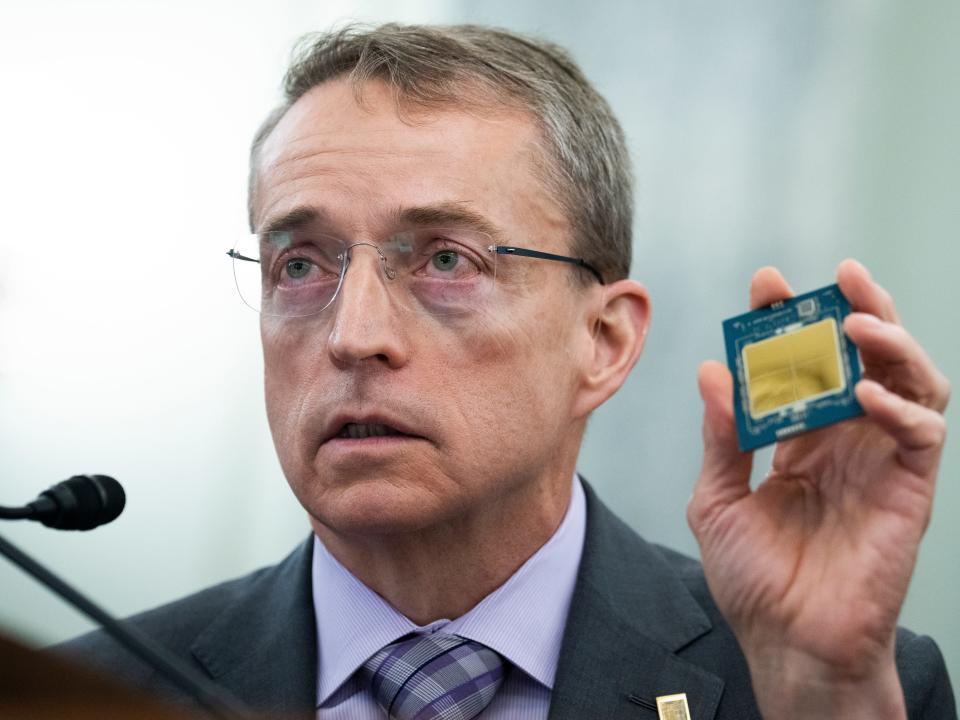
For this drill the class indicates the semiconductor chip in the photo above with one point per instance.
(794, 369)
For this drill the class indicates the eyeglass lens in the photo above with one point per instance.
(438, 271)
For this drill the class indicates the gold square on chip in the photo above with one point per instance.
(673, 707)
(796, 366)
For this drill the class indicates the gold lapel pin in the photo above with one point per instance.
(673, 707)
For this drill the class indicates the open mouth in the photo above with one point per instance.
(359, 431)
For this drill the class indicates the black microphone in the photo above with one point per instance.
(81, 503)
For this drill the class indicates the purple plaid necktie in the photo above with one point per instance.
(434, 677)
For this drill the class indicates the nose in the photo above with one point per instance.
(366, 325)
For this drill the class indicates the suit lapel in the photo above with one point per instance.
(263, 648)
(629, 616)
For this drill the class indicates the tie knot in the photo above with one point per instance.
(434, 677)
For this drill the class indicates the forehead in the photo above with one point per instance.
(361, 163)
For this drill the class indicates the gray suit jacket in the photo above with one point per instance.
(642, 624)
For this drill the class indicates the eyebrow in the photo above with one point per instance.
(296, 218)
(450, 214)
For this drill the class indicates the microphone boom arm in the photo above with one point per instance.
(216, 700)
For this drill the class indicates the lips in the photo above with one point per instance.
(358, 431)
(348, 427)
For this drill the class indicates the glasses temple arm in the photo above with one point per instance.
(237, 256)
(579, 262)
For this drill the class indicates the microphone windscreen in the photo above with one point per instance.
(85, 502)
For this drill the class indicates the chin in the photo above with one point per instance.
(379, 506)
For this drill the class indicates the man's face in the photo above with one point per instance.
(483, 402)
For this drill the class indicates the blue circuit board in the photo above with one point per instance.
(794, 369)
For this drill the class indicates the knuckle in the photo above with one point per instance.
(912, 420)
(938, 429)
(697, 513)
(693, 512)
(887, 299)
(925, 428)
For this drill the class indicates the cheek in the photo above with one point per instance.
(498, 387)
(288, 382)
(532, 341)
(515, 375)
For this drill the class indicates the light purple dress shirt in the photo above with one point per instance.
(523, 620)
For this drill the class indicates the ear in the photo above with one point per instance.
(619, 332)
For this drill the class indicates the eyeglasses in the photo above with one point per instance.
(438, 271)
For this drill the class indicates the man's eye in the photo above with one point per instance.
(446, 260)
(298, 268)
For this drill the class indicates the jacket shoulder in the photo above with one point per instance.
(924, 677)
(174, 626)
(174, 622)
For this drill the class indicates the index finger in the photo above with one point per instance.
(768, 286)
(864, 294)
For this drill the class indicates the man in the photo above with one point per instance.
(441, 258)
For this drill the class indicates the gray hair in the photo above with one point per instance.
(586, 163)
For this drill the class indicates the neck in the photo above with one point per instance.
(442, 571)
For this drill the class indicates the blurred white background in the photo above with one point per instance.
(793, 133)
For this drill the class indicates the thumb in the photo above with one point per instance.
(725, 475)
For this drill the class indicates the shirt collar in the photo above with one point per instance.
(523, 619)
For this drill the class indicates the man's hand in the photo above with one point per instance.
(812, 567)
